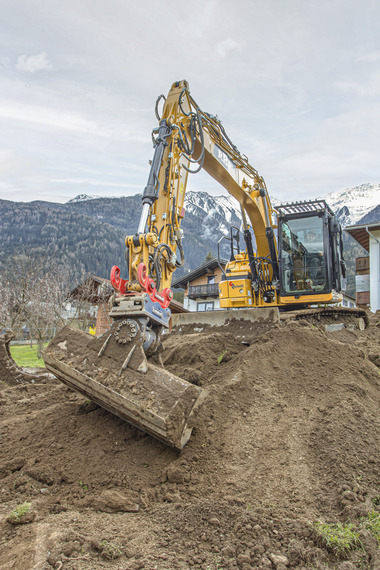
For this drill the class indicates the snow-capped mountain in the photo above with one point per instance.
(210, 217)
(217, 213)
(220, 212)
(82, 198)
(351, 204)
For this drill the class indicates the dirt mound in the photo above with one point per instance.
(288, 435)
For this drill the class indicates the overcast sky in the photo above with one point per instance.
(296, 84)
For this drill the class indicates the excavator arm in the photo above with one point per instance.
(187, 140)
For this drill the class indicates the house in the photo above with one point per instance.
(93, 289)
(368, 268)
(88, 303)
(202, 286)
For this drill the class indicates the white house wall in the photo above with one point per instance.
(192, 304)
(374, 264)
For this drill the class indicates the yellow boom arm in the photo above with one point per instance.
(187, 140)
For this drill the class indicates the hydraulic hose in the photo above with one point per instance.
(156, 106)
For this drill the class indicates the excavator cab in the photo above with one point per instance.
(310, 252)
(305, 266)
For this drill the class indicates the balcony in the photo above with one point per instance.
(199, 291)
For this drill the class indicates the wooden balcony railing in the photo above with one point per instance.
(196, 291)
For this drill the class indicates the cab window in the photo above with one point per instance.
(302, 256)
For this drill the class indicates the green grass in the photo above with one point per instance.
(372, 523)
(110, 550)
(222, 356)
(338, 538)
(25, 355)
(83, 485)
(19, 511)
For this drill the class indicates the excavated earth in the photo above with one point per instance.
(288, 435)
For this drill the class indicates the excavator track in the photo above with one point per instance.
(357, 318)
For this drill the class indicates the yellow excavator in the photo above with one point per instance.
(281, 265)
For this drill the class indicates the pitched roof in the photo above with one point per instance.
(182, 282)
(361, 233)
(88, 289)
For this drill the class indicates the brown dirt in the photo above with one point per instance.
(289, 434)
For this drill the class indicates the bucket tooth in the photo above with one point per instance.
(104, 346)
(125, 363)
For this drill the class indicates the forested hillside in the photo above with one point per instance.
(87, 236)
(75, 240)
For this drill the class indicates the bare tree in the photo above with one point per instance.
(9, 308)
(85, 300)
(32, 293)
(35, 292)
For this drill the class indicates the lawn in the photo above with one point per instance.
(26, 355)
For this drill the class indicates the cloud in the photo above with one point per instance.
(94, 182)
(81, 122)
(33, 63)
(225, 46)
(367, 88)
(370, 57)
(54, 118)
(8, 162)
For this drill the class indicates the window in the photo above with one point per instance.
(302, 256)
(206, 306)
(211, 279)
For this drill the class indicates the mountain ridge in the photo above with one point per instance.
(350, 204)
(87, 235)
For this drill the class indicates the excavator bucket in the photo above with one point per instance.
(113, 371)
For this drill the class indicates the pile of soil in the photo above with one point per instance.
(288, 435)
